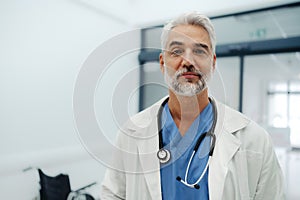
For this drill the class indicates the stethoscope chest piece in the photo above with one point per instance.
(163, 155)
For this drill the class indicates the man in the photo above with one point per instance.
(157, 157)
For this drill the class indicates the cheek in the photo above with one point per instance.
(208, 72)
(173, 62)
(170, 71)
(204, 67)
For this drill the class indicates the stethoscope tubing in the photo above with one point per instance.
(166, 158)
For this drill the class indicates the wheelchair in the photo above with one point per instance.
(58, 188)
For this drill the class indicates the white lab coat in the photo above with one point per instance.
(243, 165)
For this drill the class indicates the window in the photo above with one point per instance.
(284, 108)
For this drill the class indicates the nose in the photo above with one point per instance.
(187, 60)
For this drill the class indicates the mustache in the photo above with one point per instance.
(188, 70)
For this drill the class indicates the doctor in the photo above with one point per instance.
(188, 145)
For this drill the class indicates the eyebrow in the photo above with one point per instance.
(205, 46)
(174, 43)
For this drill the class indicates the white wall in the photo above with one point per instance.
(43, 46)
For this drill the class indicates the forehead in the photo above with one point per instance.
(188, 34)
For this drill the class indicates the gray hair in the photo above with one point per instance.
(190, 18)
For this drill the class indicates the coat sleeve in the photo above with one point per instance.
(113, 186)
(271, 183)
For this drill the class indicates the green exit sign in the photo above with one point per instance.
(260, 33)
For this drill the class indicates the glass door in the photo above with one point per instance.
(272, 92)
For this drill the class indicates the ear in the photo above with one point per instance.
(214, 62)
(161, 62)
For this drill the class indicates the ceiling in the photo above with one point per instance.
(142, 13)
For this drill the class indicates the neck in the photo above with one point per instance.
(185, 110)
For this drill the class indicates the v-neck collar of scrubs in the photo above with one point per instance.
(181, 148)
(173, 140)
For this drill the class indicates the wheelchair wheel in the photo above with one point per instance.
(79, 196)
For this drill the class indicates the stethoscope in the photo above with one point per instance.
(164, 155)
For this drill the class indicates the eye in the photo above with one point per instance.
(177, 52)
(200, 52)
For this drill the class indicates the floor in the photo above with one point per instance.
(290, 163)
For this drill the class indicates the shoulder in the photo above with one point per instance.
(145, 117)
(250, 134)
(234, 118)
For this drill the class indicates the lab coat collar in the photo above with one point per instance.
(148, 144)
(228, 122)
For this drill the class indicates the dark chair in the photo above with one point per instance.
(58, 188)
(54, 188)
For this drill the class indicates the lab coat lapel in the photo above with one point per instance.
(226, 146)
(147, 149)
(225, 149)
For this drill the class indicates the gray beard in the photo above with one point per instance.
(186, 88)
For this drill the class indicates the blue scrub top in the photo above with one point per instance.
(181, 149)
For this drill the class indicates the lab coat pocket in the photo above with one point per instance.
(248, 166)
